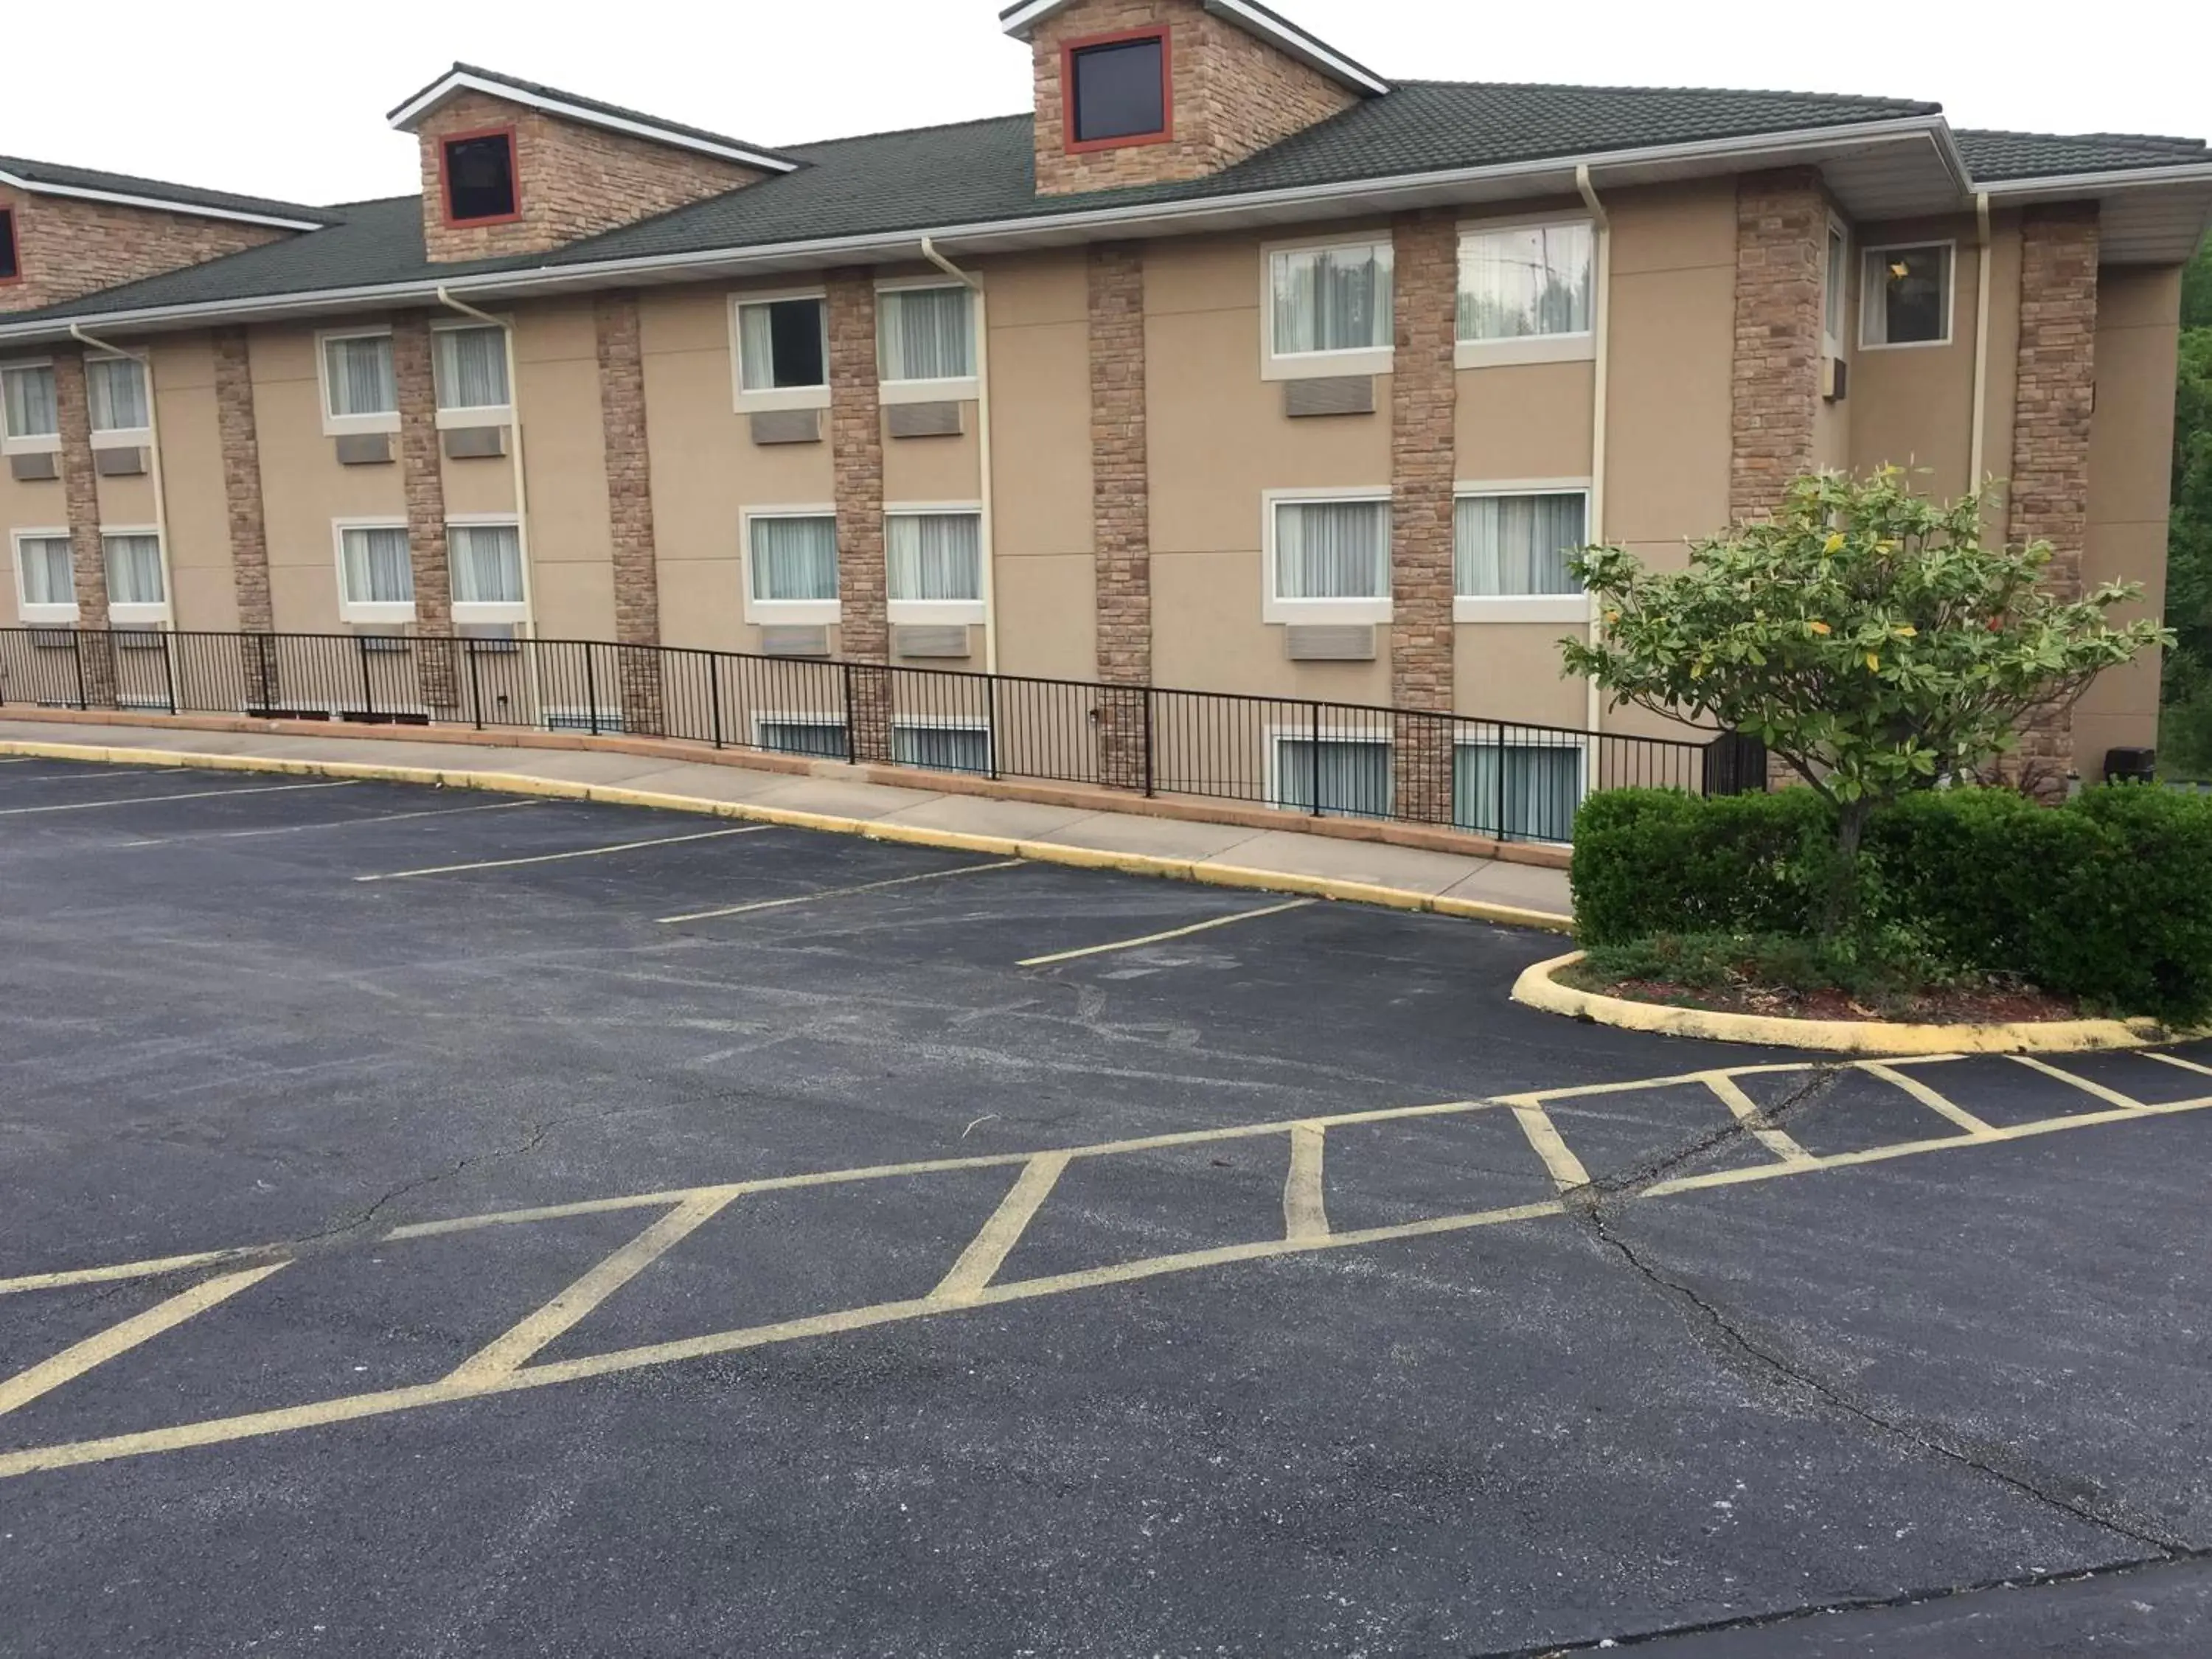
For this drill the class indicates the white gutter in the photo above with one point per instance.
(2074, 184)
(989, 576)
(506, 92)
(1600, 343)
(189, 209)
(514, 410)
(145, 361)
(1981, 337)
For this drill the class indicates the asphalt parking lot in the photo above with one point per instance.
(437, 1224)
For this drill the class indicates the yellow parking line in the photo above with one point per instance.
(1927, 1097)
(987, 1251)
(197, 794)
(555, 857)
(330, 824)
(1305, 1210)
(1172, 932)
(837, 892)
(1746, 1111)
(2176, 1059)
(1566, 1168)
(92, 777)
(75, 1361)
(2081, 1083)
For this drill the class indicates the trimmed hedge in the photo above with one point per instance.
(2107, 898)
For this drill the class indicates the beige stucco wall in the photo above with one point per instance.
(1912, 406)
(556, 372)
(203, 596)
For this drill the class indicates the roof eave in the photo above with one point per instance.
(2099, 183)
(410, 115)
(159, 204)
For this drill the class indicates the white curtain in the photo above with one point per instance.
(946, 748)
(134, 569)
(1332, 550)
(471, 368)
(757, 347)
(1513, 283)
(795, 558)
(487, 561)
(117, 388)
(1905, 295)
(823, 738)
(32, 413)
(377, 569)
(49, 574)
(1332, 299)
(1525, 791)
(924, 334)
(360, 374)
(1517, 544)
(1354, 775)
(935, 556)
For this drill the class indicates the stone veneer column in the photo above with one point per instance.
(1424, 400)
(856, 453)
(240, 434)
(87, 553)
(2054, 394)
(630, 510)
(422, 478)
(1781, 245)
(1121, 523)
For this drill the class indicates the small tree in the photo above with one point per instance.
(1865, 634)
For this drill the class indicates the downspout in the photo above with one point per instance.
(515, 425)
(1600, 343)
(982, 448)
(1981, 336)
(145, 361)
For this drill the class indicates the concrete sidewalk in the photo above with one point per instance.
(1403, 877)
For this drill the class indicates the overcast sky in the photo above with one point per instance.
(288, 100)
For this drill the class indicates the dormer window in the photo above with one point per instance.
(10, 268)
(1116, 88)
(479, 174)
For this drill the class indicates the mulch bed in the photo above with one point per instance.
(1961, 1005)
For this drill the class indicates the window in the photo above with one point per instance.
(470, 365)
(599, 722)
(34, 420)
(1905, 296)
(1117, 91)
(936, 563)
(136, 591)
(942, 748)
(359, 391)
(1330, 306)
(480, 178)
(1519, 791)
(10, 266)
(1348, 776)
(1525, 292)
(487, 566)
(820, 735)
(793, 566)
(45, 576)
(1330, 560)
(116, 389)
(924, 334)
(1510, 555)
(1833, 298)
(783, 347)
(376, 577)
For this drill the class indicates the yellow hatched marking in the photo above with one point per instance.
(2176, 1059)
(1746, 1111)
(96, 1350)
(1172, 932)
(1928, 1097)
(1305, 1213)
(837, 892)
(555, 857)
(2081, 1083)
(149, 801)
(987, 1251)
(1536, 1123)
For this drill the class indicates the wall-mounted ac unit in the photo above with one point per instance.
(1329, 642)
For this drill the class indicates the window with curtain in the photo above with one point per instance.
(1517, 545)
(358, 373)
(487, 562)
(1527, 792)
(48, 572)
(825, 739)
(782, 343)
(116, 387)
(1330, 298)
(374, 563)
(471, 367)
(1533, 280)
(1332, 550)
(944, 748)
(1831, 298)
(794, 558)
(1352, 773)
(28, 394)
(134, 569)
(1904, 297)
(924, 334)
(935, 556)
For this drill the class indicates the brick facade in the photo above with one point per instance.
(241, 479)
(1781, 244)
(572, 180)
(87, 553)
(423, 479)
(1424, 408)
(1231, 95)
(1120, 510)
(856, 449)
(630, 507)
(65, 247)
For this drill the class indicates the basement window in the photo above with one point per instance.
(1117, 90)
(11, 270)
(1905, 296)
(479, 168)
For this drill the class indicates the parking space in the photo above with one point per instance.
(412, 1174)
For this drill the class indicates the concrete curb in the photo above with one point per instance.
(1042, 852)
(1538, 989)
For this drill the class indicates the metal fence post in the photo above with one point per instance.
(714, 695)
(1313, 755)
(1150, 769)
(991, 722)
(367, 680)
(77, 650)
(845, 678)
(592, 688)
(476, 686)
(168, 669)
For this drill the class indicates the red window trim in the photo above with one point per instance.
(1075, 146)
(10, 234)
(446, 142)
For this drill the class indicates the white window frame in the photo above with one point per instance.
(1580, 346)
(1950, 246)
(775, 398)
(1278, 735)
(764, 718)
(938, 611)
(43, 443)
(1491, 736)
(475, 414)
(341, 425)
(1518, 607)
(1320, 365)
(773, 613)
(372, 611)
(954, 389)
(516, 610)
(138, 614)
(576, 717)
(1833, 344)
(43, 614)
(946, 723)
(1274, 610)
(121, 437)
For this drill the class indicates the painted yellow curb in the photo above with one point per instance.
(1538, 988)
(1042, 852)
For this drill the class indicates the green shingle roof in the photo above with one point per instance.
(1994, 155)
(183, 196)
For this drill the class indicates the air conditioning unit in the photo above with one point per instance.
(933, 640)
(784, 640)
(1835, 379)
(1330, 642)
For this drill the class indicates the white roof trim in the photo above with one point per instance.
(414, 109)
(1285, 37)
(160, 204)
(2074, 184)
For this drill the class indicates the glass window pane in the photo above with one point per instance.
(375, 567)
(1352, 774)
(781, 343)
(29, 394)
(116, 387)
(1838, 272)
(826, 739)
(946, 748)
(487, 563)
(1119, 91)
(794, 558)
(1332, 299)
(1906, 295)
(49, 574)
(134, 569)
(935, 556)
(471, 368)
(1531, 281)
(1517, 544)
(924, 334)
(480, 177)
(1524, 790)
(1332, 550)
(359, 371)
(8, 268)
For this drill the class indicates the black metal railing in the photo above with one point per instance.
(1508, 779)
